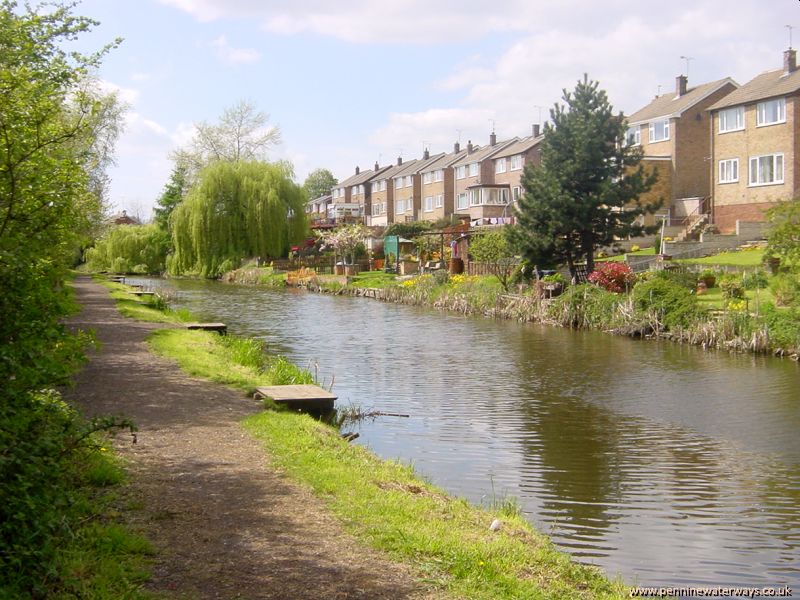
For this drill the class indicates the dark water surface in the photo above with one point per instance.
(666, 464)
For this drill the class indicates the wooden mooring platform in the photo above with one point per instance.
(220, 328)
(141, 293)
(306, 397)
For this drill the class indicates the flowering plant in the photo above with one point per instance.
(612, 276)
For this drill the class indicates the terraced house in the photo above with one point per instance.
(381, 211)
(352, 197)
(674, 133)
(476, 194)
(438, 184)
(756, 132)
(408, 188)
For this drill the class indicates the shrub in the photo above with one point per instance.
(709, 277)
(441, 277)
(783, 326)
(585, 306)
(732, 287)
(756, 280)
(669, 302)
(612, 276)
(681, 277)
(635, 248)
(786, 289)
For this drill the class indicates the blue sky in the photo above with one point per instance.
(356, 81)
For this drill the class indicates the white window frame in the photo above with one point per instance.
(428, 203)
(517, 162)
(761, 112)
(461, 171)
(427, 177)
(500, 166)
(438, 175)
(516, 193)
(399, 207)
(474, 169)
(757, 170)
(462, 201)
(731, 119)
(634, 132)
(664, 124)
(398, 183)
(409, 180)
(728, 170)
(475, 197)
(439, 200)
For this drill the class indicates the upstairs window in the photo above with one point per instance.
(409, 181)
(438, 175)
(398, 183)
(771, 111)
(659, 130)
(427, 177)
(461, 172)
(516, 162)
(500, 165)
(731, 119)
(633, 137)
(473, 169)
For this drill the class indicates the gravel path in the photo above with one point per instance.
(225, 523)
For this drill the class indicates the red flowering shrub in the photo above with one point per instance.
(612, 276)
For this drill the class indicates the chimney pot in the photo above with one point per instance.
(357, 170)
(469, 147)
(536, 130)
(426, 155)
(789, 61)
(492, 138)
(376, 165)
(680, 85)
(399, 160)
(456, 148)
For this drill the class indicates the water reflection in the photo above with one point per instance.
(665, 463)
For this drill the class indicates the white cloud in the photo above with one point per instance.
(126, 94)
(234, 55)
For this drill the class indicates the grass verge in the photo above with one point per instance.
(153, 310)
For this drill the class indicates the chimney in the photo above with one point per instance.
(680, 85)
(789, 61)
(456, 148)
(399, 160)
(426, 155)
(536, 130)
(357, 170)
(492, 138)
(376, 165)
(469, 147)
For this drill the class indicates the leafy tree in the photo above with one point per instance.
(236, 209)
(345, 240)
(783, 240)
(173, 194)
(130, 249)
(408, 230)
(319, 183)
(586, 192)
(494, 249)
(242, 133)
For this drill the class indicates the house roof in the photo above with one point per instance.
(395, 169)
(418, 166)
(669, 105)
(766, 85)
(360, 178)
(324, 198)
(479, 154)
(520, 146)
(445, 160)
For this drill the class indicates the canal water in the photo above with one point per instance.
(666, 464)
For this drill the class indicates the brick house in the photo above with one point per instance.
(352, 197)
(475, 192)
(673, 132)
(381, 211)
(756, 131)
(511, 160)
(408, 188)
(438, 184)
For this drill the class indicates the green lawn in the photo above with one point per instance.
(621, 257)
(373, 279)
(713, 300)
(736, 258)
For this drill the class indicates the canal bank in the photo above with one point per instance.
(447, 544)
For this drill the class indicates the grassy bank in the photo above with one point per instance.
(447, 540)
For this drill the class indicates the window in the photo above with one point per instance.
(462, 201)
(659, 130)
(427, 177)
(409, 181)
(439, 200)
(500, 165)
(766, 170)
(438, 175)
(398, 183)
(516, 162)
(771, 111)
(729, 170)
(461, 172)
(400, 207)
(429, 204)
(473, 169)
(474, 197)
(516, 193)
(731, 119)
(633, 137)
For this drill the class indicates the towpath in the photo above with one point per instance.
(225, 523)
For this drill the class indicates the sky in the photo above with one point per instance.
(353, 82)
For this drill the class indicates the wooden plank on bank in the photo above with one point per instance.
(220, 328)
(141, 293)
(299, 397)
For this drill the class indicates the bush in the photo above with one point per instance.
(585, 306)
(757, 280)
(669, 302)
(783, 326)
(732, 287)
(612, 276)
(786, 289)
(681, 277)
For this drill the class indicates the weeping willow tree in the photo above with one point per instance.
(130, 249)
(235, 210)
